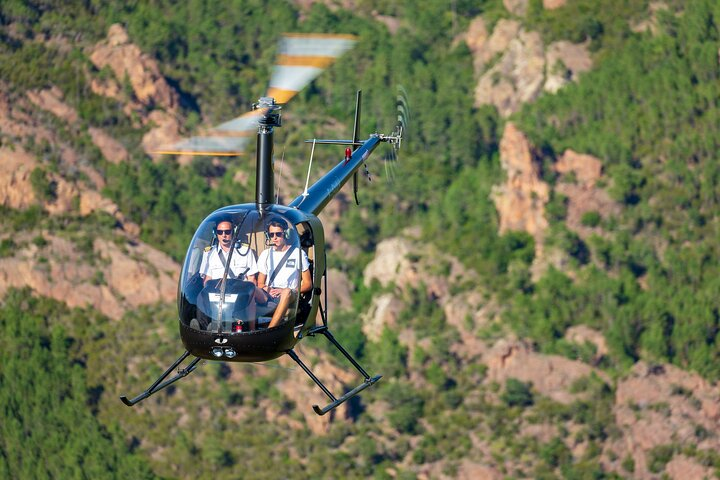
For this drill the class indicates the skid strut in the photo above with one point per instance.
(157, 385)
(334, 402)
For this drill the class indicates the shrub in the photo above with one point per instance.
(517, 393)
(591, 219)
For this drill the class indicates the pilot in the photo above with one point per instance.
(243, 265)
(280, 267)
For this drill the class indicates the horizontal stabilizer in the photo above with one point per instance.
(322, 141)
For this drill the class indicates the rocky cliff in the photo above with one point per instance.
(515, 66)
(111, 274)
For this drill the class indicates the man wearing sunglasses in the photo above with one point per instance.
(242, 261)
(283, 269)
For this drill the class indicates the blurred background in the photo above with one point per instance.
(535, 277)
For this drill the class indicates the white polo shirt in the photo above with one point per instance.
(289, 274)
(242, 262)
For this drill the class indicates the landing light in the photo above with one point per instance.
(230, 353)
(217, 352)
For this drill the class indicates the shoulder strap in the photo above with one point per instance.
(230, 272)
(279, 265)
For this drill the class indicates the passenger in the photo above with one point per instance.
(243, 265)
(279, 273)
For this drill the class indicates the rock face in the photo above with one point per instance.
(516, 7)
(383, 312)
(579, 175)
(553, 4)
(521, 200)
(523, 68)
(337, 379)
(390, 264)
(564, 61)
(17, 123)
(111, 149)
(551, 375)
(15, 169)
(150, 88)
(16, 190)
(658, 405)
(51, 100)
(126, 60)
(582, 334)
(516, 78)
(107, 278)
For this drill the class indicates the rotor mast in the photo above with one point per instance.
(264, 176)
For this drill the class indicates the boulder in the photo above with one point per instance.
(685, 468)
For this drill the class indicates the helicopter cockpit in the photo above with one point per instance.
(231, 250)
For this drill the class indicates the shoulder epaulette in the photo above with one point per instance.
(208, 248)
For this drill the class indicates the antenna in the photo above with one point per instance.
(358, 108)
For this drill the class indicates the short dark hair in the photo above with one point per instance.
(276, 223)
(224, 219)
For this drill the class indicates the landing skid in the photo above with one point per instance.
(334, 402)
(157, 386)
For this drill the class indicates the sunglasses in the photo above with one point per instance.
(276, 234)
(224, 232)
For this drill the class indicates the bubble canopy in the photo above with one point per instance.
(231, 249)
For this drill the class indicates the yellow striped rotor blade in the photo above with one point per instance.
(210, 146)
(301, 58)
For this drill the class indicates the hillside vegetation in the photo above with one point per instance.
(644, 279)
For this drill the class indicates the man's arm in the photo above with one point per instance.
(261, 281)
(306, 282)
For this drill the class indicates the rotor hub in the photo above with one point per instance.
(272, 114)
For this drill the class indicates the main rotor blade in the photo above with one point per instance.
(301, 58)
(227, 139)
(244, 126)
(216, 146)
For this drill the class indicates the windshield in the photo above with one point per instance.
(242, 273)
